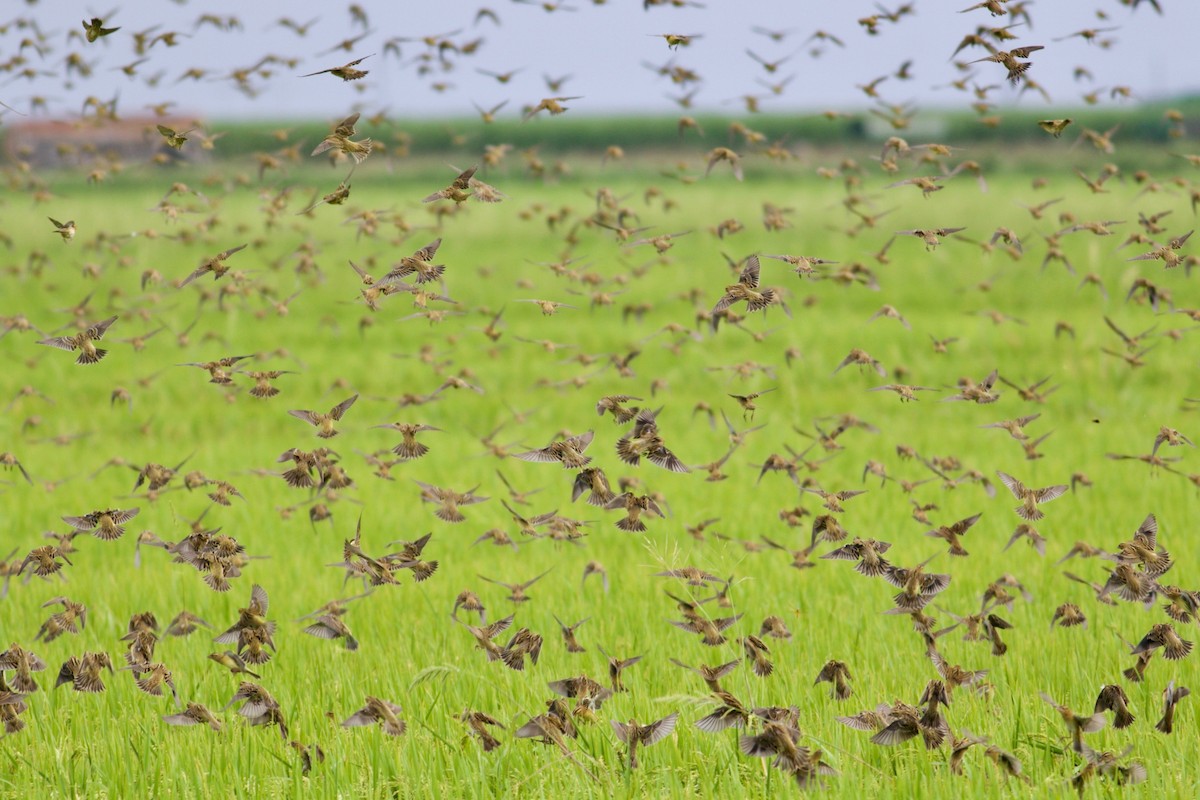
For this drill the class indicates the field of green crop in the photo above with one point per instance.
(541, 378)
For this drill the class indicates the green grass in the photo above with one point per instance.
(115, 744)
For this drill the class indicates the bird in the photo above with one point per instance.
(214, 264)
(1031, 498)
(932, 237)
(346, 72)
(324, 423)
(409, 448)
(379, 711)
(1171, 696)
(633, 735)
(83, 342)
(94, 29)
(64, 229)
(568, 452)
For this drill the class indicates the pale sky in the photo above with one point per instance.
(604, 47)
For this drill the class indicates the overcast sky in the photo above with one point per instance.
(605, 48)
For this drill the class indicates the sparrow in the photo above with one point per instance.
(107, 526)
(325, 422)
(94, 29)
(89, 353)
(214, 264)
(409, 448)
(634, 735)
(838, 674)
(568, 452)
(381, 711)
(64, 229)
(1113, 698)
(1030, 498)
(479, 723)
(346, 72)
(1171, 696)
(194, 714)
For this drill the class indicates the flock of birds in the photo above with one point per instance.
(1137, 568)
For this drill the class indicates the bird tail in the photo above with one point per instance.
(90, 358)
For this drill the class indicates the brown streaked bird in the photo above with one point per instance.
(340, 140)
(379, 711)
(1014, 427)
(83, 341)
(459, 189)
(218, 370)
(151, 678)
(194, 714)
(1077, 724)
(634, 506)
(324, 423)
(1030, 498)
(83, 672)
(917, 587)
(801, 265)
(589, 695)
(951, 533)
(1054, 127)
(263, 387)
(759, 654)
(63, 621)
(173, 138)
(64, 229)
(718, 154)
(730, 714)
(711, 674)
(409, 448)
(838, 674)
(633, 735)
(346, 72)
(1010, 60)
(710, 630)
(694, 576)
(774, 627)
(516, 591)
(1068, 615)
(44, 560)
(616, 666)
(747, 402)
(185, 623)
(214, 264)
(94, 29)
(746, 288)
(330, 626)
(1171, 696)
(485, 634)
(1131, 584)
(23, 663)
(553, 105)
(1167, 436)
(860, 358)
(905, 391)
(106, 525)
(523, 643)
(833, 500)
(1113, 698)
(568, 452)
(593, 481)
(448, 501)
(932, 237)
(615, 404)
(479, 722)
(1164, 635)
(469, 601)
(252, 618)
(552, 728)
(867, 552)
(568, 634)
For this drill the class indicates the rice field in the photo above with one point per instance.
(636, 323)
